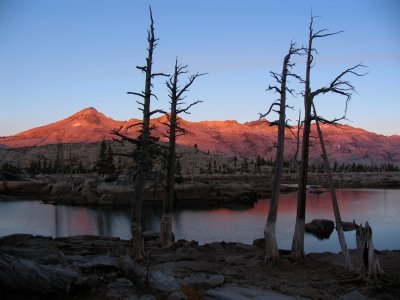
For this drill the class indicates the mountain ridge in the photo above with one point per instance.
(228, 137)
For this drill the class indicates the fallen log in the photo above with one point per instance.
(26, 276)
(147, 279)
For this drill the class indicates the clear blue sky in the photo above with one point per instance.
(58, 57)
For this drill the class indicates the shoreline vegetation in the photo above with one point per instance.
(96, 267)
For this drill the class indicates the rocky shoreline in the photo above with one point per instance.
(94, 267)
(204, 191)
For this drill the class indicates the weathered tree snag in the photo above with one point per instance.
(337, 86)
(174, 130)
(144, 141)
(298, 236)
(338, 219)
(271, 247)
(365, 246)
(25, 276)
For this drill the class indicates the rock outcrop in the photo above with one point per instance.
(321, 228)
(97, 191)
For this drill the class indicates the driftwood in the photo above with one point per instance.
(25, 276)
(147, 279)
(365, 246)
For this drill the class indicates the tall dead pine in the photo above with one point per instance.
(143, 143)
(176, 95)
(271, 247)
(337, 86)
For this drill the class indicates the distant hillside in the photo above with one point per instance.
(230, 138)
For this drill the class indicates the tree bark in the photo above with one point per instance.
(337, 86)
(176, 97)
(338, 219)
(298, 236)
(166, 237)
(369, 261)
(142, 171)
(271, 247)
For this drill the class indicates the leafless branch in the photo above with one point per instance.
(186, 109)
(137, 94)
(191, 79)
(276, 103)
(158, 74)
(143, 69)
(340, 86)
(157, 111)
(274, 88)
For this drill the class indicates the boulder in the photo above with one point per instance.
(99, 262)
(89, 193)
(26, 276)
(154, 235)
(177, 295)
(321, 228)
(354, 295)
(203, 281)
(259, 243)
(235, 292)
(192, 191)
(121, 288)
(21, 188)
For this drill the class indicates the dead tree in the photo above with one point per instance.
(329, 179)
(271, 247)
(176, 95)
(143, 163)
(337, 86)
(365, 246)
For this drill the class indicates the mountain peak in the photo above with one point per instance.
(88, 115)
(227, 137)
(88, 111)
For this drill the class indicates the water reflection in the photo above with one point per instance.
(381, 208)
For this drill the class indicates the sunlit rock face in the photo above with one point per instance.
(251, 139)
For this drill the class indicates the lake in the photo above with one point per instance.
(380, 207)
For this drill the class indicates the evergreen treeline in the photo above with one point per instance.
(105, 166)
(105, 161)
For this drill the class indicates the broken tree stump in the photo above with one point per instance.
(365, 246)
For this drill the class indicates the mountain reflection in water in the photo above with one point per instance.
(380, 207)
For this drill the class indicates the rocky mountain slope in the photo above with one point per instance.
(230, 138)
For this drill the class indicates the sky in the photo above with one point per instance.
(58, 57)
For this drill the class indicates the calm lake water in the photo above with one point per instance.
(380, 207)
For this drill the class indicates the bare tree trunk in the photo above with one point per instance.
(166, 236)
(271, 247)
(176, 96)
(337, 86)
(142, 171)
(143, 142)
(298, 236)
(166, 219)
(338, 219)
